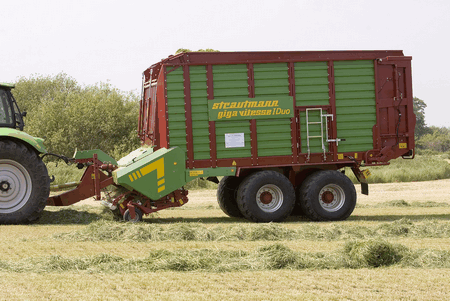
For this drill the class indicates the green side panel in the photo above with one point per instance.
(37, 143)
(199, 107)
(274, 135)
(232, 127)
(175, 107)
(355, 104)
(315, 144)
(155, 175)
(231, 81)
(311, 84)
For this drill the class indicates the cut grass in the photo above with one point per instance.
(114, 231)
(37, 265)
(393, 283)
(355, 254)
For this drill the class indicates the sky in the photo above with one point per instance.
(113, 41)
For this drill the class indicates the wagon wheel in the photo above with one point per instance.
(327, 196)
(266, 196)
(226, 196)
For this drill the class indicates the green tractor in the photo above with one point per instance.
(24, 180)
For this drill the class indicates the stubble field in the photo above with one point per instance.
(395, 246)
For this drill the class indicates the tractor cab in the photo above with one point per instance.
(10, 115)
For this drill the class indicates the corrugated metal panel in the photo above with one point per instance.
(175, 108)
(199, 106)
(355, 104)
(274, 135)
(231, 80)
(311, 83)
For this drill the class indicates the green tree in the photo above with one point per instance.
(419, 109)
(70, 116)
(437, 141)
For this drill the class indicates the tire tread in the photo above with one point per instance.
(37, 170)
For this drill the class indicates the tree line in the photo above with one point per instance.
(429, 139)
(70, 116)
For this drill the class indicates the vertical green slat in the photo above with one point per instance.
(311, 84)
(199, 108)
(274, 135)
(355, 104)
(175, 107)
(229, 81)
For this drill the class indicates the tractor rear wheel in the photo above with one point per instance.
(327, 195)
(226, 196)
(266, 196)
(24, 184)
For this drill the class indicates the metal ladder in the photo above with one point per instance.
(308, 123)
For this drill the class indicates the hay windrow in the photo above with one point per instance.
(116, 231)
(355, 254)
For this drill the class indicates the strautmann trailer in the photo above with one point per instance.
(277, 127)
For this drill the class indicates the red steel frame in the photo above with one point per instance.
(385, 144)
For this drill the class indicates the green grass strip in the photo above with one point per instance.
(372, 253)
(118, 231)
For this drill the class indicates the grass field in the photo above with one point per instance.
(395, 246)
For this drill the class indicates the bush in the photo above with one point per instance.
(71, 116)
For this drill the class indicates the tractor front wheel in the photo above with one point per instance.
(24, 184)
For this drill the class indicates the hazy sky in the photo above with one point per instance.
(98, 41)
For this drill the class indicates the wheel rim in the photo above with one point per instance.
(15, 186)
(331, 197)
(137, 216)
(269, 198)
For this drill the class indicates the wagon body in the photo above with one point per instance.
(299, 110)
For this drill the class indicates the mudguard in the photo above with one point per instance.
(36, 143)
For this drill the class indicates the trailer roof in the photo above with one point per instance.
(201, 58)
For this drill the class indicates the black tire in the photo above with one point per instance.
(266, 196)
(327, 195)
(226, 196)
(298, 210)
(24, 184)
(137, 218)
